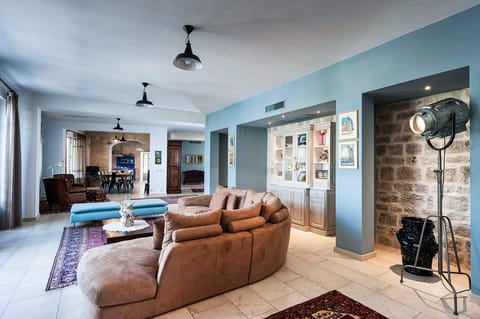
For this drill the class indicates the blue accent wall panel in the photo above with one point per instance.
(449, 44)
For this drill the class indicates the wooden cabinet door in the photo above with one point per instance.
(317, 209)
(174, 167)
(298, 206)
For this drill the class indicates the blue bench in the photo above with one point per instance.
(105, 210)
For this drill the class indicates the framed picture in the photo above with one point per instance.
(231, 142)
(348, 155)
(348, 125)
(158, 157)
(231, 158)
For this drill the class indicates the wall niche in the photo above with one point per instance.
(405, 179)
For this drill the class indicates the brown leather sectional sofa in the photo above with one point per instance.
(130, 279)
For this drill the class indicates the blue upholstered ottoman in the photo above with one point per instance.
(105, 210)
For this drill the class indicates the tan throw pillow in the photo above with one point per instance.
(229, 216)
(245, 224)
(232, 202)
(174, 221)
(158, 226)
(198, 232)
(271, 204)
(279, 216)
(253, 197)
(218, 201)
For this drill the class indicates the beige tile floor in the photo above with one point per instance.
(312, 268)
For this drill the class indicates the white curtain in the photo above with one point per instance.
(75, 157)
(10, 165)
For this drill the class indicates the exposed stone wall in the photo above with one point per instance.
(100, 146)
(405, 179)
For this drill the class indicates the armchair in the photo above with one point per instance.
(59, 192)
(72, 187)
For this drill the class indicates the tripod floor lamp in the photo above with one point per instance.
(442, 119)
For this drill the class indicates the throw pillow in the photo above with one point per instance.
(240, 193)
(245, 224)
(253, 197)
(198, 232)
(232, 202)
(229, 216)
(158, 226)
(218, 201)
(271, 204)
(174, 221)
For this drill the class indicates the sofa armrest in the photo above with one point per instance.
(200, 200)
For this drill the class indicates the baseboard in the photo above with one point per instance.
(355, 255)
(474, 298)
(31, 219)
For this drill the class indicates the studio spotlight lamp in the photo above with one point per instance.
(441, 119)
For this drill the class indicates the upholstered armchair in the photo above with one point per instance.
(72, 187)
(59, 192)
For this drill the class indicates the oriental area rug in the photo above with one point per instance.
(75, 241)
(332, 305)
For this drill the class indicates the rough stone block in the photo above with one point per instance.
(396, 149)
(403, 187)
(407, 174)
(386, 173)
(412, 149)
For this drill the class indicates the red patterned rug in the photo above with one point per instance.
(75, 241)
(332, 305)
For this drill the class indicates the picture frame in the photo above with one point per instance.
(158, 157)
(348, 125)
(302, 139)
(231, 150)
(231, 158)
(348, 155)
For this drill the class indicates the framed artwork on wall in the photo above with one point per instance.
(348, 155)
(158, 157)
(231, 150)
(348, 125)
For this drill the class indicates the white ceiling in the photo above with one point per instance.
(103, 50)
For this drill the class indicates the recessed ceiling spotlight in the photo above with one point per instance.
(428, 88)
(283, 116)
(318, 111)
(269, 123)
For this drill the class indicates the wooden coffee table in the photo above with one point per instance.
(116, 236)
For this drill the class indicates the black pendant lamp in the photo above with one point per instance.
(187, 60)
(123, 138)
(144, 102)
(118, 127)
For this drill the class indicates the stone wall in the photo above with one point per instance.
(100, 146)
(405, 179)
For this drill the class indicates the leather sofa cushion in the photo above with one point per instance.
(106, 284)
(174, 221)
(229, 216)
(279, 216)
(240, 193)
(245, 224)
(271, 204)
(158, 226)
(219, 200)
(198, 232)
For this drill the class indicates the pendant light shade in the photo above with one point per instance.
(187, 60)
(144, 102)
(118, 127)
(123, 138)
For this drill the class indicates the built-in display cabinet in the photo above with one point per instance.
(301, 166)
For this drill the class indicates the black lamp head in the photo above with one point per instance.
(144, 102)
(187, 60)
(436, 119)
(118, 127)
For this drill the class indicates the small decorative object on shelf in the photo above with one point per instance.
(127, 213)
(323, 156)
(322, 136)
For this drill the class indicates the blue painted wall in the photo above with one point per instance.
(253, 168)
(446, 45)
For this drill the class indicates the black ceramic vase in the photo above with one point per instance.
(409, 237)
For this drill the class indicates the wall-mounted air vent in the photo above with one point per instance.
(276, 106)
